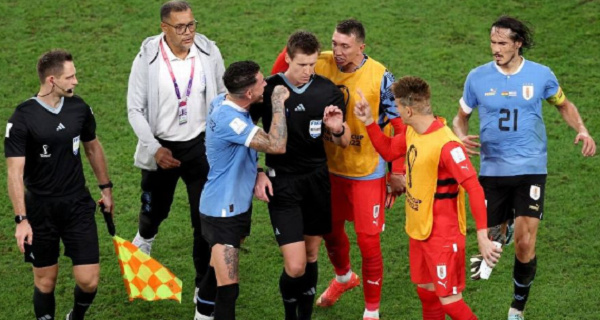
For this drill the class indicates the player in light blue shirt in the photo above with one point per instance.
(508, 92)
(232, 142)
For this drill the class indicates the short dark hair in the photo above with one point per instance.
(240, 75)
(519, 31)
(352, 27)
(170, 6)
(302, 42)
(413, 92)
(52, 63)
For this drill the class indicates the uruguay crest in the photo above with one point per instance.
(441, 271)
(527, 91)
(535, 192)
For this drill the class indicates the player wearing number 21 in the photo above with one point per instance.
(508, 93)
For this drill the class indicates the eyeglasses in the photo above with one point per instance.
(181, 28)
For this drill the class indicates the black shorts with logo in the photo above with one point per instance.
(300, 205)
(511, 197)
(70, 218)
(226, 230)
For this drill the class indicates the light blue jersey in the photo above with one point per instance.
(512, 131)
(229, 189)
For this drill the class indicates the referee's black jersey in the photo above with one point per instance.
(50, 144)
(304, 115)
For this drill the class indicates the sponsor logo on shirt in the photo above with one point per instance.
(60, 127)
(300, 108)
(490, 93)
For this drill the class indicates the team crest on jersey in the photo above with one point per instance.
(441, 271)
(314, 128)
(76, 146)
(527, 91)
(535, 192)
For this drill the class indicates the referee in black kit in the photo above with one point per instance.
(298, 181)
(42, 151)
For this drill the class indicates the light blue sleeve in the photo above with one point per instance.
(234, 127)
(551, 86)
(469, 98)
(387, 107)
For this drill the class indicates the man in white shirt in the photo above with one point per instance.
(173, 79)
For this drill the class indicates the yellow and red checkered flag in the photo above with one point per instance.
(144, 277)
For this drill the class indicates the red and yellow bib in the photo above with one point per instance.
(422, 161)
(359, 159)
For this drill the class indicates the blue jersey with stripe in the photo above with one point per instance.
(512, 132)
(230, 186)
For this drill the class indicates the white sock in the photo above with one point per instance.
(371, 314)
(344, 278)
(513, 311)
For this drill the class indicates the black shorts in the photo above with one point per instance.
(69, 218)
(300, 205)
(226, 231)
(511, 197)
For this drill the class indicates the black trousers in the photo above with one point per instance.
(158, 188)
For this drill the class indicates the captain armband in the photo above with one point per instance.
(558, 98)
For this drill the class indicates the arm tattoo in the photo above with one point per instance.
(231, 255)
(275, 140)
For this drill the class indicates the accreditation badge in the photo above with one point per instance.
(314, 128)
(182, 112)
(76, 146)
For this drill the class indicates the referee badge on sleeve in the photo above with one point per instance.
(76, 146)
(8, 127)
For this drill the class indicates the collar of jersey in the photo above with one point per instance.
(518, 70)
(193, 52)
(233, 105)
(49, 108)
(297, 90)
(365, 57)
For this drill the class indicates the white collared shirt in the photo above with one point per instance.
(168, 127)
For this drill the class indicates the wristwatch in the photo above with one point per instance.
(104, 186)
(19, 218)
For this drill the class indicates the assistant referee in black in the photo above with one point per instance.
(42, 151)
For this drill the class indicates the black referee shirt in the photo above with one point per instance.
(304, 115)
(50, 144)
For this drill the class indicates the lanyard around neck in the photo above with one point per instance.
(189, 87)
